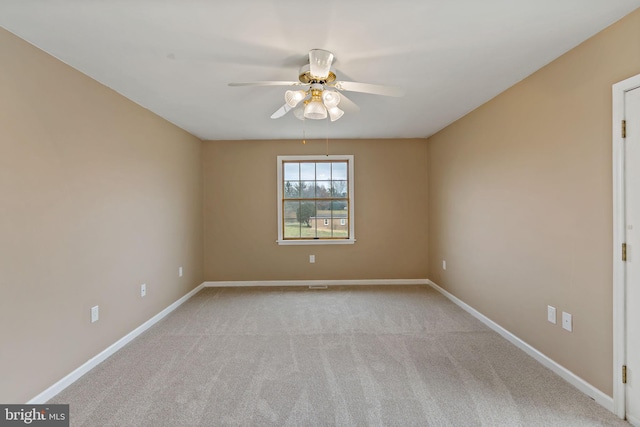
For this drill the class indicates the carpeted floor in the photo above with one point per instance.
(344, 356)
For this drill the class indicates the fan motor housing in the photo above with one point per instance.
(306, 77)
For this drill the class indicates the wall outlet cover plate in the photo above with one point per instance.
(567, 321)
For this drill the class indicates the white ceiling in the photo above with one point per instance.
(175, 57)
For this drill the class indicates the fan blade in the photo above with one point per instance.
(281, 111)
(369, 88)
(266, 83)
(348, 105)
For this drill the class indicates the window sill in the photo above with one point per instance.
(316, 242)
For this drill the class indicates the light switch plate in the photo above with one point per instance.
(551, 314)
(95, 314)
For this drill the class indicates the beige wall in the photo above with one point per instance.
(520, 203)
(97, 195)
(241, 213)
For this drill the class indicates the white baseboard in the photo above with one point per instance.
(567, 375)
(306, 283)
(100, 357)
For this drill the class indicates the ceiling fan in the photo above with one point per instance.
(320, 93)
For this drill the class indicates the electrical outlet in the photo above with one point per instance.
(312, 259)
(444, 264)
(95, 314)
(551, 314)
(143, 290)
(567, 321)
(179, 271)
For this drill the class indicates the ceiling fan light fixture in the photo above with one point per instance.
(293, 97)
(335, 113)
(299, 113)
(330, 98)
(315, 110)
(320, 63)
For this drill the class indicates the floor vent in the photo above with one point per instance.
(318, 286)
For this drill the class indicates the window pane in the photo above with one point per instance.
(306, 216)
(308, 189)
(339, 205)
(341, 227)
(323, 208)
(339, 171)
(323, 189)
(307, 171)
(323, 171)
(339, 188)
(324, 228)
(291, 171)
(291, 223)
(291, 190)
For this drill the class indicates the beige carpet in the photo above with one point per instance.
(349, 356)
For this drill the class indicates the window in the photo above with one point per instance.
(315, 200)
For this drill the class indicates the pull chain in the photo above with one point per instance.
(304, 140)
(327, 134)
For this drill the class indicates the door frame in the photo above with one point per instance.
(619, 275)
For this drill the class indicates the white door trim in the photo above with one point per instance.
(619, 313)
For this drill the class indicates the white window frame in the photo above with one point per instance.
(352, 239)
